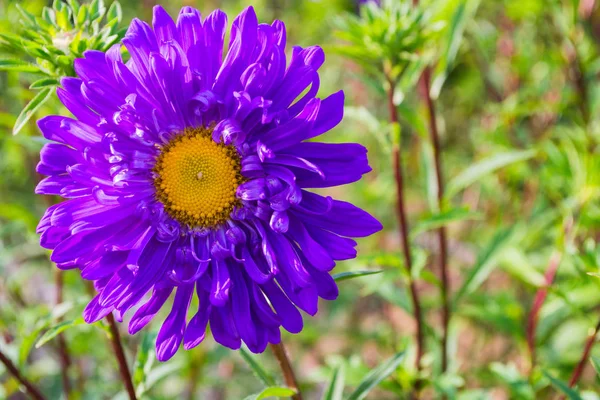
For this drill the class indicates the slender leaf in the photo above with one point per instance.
(17, 65)
(30, 109)
(485, 263)
(273, 391)
(44, 82)
(478, 170)
(342, 276)
(258, 370)
(377, 375)
(444, 218)
(563, 387)
(58, 329)
(335, 388)
(143, 362)
(456, 29)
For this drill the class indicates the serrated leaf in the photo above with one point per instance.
(30, 109)
(342, 276)
(58, 329)
(381, 372)
(17, 65)
(478, 170)
(44, 82)
(335, 388)
(258, 370)
(484, 264)
(273, 391)
(444, 218)
(563, 387)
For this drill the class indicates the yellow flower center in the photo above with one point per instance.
(196, 178)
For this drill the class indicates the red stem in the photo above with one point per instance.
(442, 236)
(115, 339)
(578, 371)
(286, 368)
(404, 235)
(29, 387)
(538, 301)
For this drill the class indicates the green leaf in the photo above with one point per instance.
(444, 218)
(57, 330)
(563, 387)
(595, 363)
(16, 65)
(114, 12)
(143, 362)
(258, 370)
(478, 170)
(377, 375)
(44, 82)
(455, 34)
(428, 166)
(30, 109)
(335, 388)
(273, 391)
(342, 276)
(485, 263)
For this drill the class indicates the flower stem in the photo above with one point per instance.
(442, 237)
(404, 235)
(540, 297)
(29, 387)
(286, 368)
(63, 351)
(115, 339)
(584, 357)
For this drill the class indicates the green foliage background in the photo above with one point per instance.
(516, 90)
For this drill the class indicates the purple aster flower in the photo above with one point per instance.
(187, 172)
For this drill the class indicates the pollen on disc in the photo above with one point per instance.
(196, 178)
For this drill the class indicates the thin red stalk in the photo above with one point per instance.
(578, 371)
(30, 388)
(115, 339)
(403, 230)
(442, 236)
(286, 369)
(538, 301)
(63, 351)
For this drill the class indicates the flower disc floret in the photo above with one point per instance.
(196, 179)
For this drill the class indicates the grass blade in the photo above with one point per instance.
(377, 375)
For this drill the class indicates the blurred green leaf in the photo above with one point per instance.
(262, 374)
(273, 391)
(335, 388)
(31, 107)
(595, 363)
(563, 387)
(342, 276)
(381, 372)
(444, 218)
(461, 16)
(58, 329)
(485, 263)
(519, 387)
(478, 170)
(144, 360)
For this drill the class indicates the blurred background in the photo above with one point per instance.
(517, 111)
